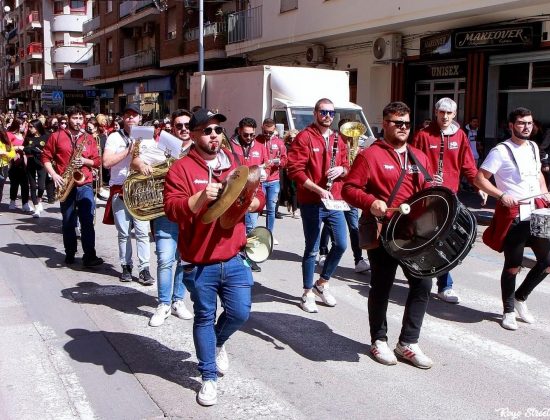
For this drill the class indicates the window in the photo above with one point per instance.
(58, 7)
(287, 5)
(109, 50)
(78, 6)
(541, 74)
(171, 23)
(109, 6)
(514, 76)
(77, 73)
(96, 54)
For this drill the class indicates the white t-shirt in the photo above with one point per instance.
(116, 143)
(149, 152)
(517, 183)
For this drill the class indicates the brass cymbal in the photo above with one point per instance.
(236, 211)
(234, 184)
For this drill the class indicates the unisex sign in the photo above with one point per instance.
(514, 36)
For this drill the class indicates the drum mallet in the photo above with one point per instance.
(403, 208)
(533, 196)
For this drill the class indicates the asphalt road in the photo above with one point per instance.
(76, 344)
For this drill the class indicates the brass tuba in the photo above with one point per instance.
(71, 175)
(353, 130)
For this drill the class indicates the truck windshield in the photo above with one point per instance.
(304, 116)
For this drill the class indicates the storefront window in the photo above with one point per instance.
(514, 76)
(541, 74)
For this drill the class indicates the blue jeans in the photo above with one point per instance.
(123, 223)
(169, 283)
(271, 191)
(312, 217)
(232, 282)
(444, 282)
(250, 221)
(79, 204)
(352, 220)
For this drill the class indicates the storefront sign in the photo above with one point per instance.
(442, 70)
(436, 44)
(494, 38)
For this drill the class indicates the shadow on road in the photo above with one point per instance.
(277, 254)
(54, 259)
(311, 339)
(120, 298)
(139, 354)
(40, 225)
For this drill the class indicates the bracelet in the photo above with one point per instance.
(501, 195)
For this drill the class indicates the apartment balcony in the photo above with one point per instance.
(34, 51)
(127, 8)
(92, 72)
(72, 54)
(32, 82)
(68, 23)
(31, 22)
(245, 25)
(11, 35)
(140, 60)
(13, 85)
(212, 29)
(90, 26)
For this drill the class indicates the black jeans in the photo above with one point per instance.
(518, 237)
(36, 174)
(18, 177)
(383, 269)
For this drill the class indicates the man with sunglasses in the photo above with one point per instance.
(369, 186)
(318, 158)
(219, 268)
(276, 151)
(170, 286)
(448, 149)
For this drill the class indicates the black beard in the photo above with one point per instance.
(207, 150)
(520, 135)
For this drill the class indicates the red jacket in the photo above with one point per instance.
(200, 243)
(375, 172)
(309, 158)
(457, 159)
(59, 150)
(276, 149)
(255, 155)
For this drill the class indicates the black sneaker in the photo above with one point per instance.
(92, 261)
(69, 259)
(126, 274)
(254, 267)
(145, 277)
(278, 215)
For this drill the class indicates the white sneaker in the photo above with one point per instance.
(208, 395)
(324, 294)
(322, 259)
(523, 312)
(308, 303)
(13, 206)
(161, 313)
(449, 296)
(413, 354)
(382, 353)
(362, 266)
(275, 241)
(36, 213)
(509, 321)
(39, 207)
(77, 231)
(26, 208)
(222, 361)
(180, 310)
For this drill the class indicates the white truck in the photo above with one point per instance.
(286, 94)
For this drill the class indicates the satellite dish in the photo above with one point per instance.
(379, 48)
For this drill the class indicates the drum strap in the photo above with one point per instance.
(421, 168)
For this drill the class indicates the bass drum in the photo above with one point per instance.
(434, 237)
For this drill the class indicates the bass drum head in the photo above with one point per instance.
(432, 213)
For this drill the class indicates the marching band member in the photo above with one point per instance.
(117, 157)
(60, 149)
(171, 289)
(515, 164)
(369, 185)
(317, 161)
(218, 264)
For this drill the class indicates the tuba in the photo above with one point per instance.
(71, 175)
(354, 130)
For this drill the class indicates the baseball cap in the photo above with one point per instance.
(132, 107)
(202, 116)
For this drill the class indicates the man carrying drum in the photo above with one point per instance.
(520, 187)
(390, 168)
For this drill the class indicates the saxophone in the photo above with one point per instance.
(71, 176)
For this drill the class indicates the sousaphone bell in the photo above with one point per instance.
(259, 244)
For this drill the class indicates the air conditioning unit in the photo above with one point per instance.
(315, 54)
(148, 28)
(136, 32)
(387, 47)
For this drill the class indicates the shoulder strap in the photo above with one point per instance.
(396, 187)
(420, 166)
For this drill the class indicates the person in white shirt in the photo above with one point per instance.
(520, 187)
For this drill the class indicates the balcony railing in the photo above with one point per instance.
(216, 28)
(11, 33)
(32, 20)
(90, 25)
(13, 85)
(35, 49)
(92, 72)
(129, 7)
(244, 25)
(141, 59)
(32, 80)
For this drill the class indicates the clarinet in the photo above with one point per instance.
(441, 152)
(333, 159)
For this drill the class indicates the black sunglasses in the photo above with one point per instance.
(180, 126)
(269, 133)
(208, 130)
(247, 135)
(400, 123)
(327, 113)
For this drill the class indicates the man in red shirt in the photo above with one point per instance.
(217, 264)
(368, 186)
(317, 162)
(80, 203)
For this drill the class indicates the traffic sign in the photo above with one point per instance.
(57, 96)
